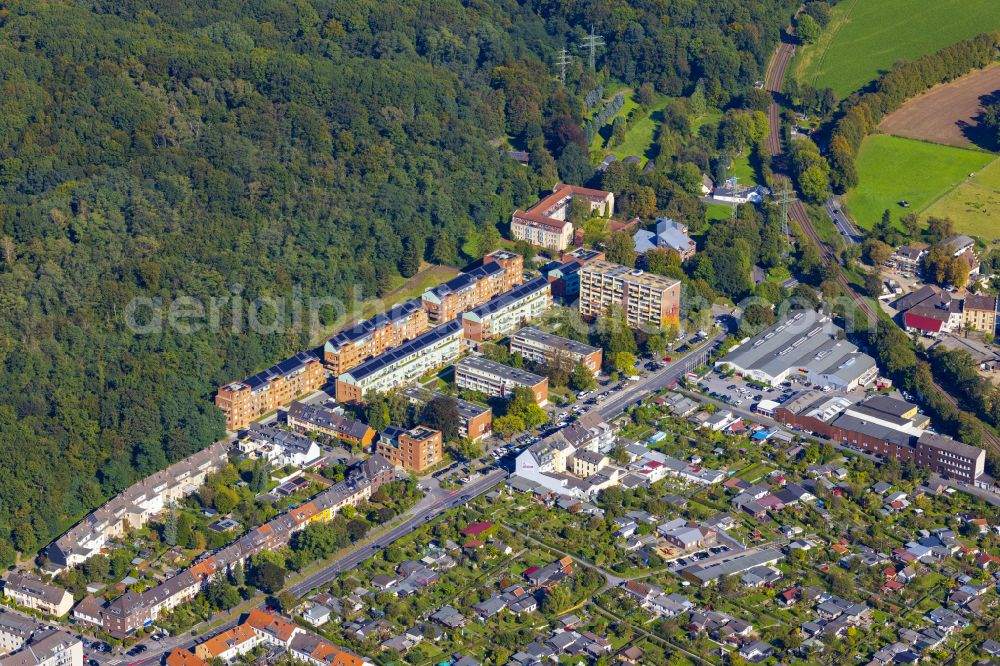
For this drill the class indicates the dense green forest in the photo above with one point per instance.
(266, 148)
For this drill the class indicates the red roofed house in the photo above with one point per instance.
(476, 529)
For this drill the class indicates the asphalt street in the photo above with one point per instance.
(423, 512)
(657, 381)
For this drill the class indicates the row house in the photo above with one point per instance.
(134, 507)
(132, 610)
(313, 419)
(36, 595)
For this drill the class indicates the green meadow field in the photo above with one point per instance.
(865, 37)
(892, 169)
(974, 205)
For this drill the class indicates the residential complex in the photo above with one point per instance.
(541, 347)
(414, 450)
(36, 595)
(808, 346)
(371, 337)
(464, 292)
(130, 611)
(134, 507)
(545, 223)
(513, 267)
(246, 401)
(26, 642)
(280, 447)
(402, 365)
(885, 427)
(646, 299)
(564, 279)
(475, 421)
(312, 419)
(478, 373)
(508, 311)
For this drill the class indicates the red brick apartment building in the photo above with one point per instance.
(414, 450)
(371, 337)
(248, 400)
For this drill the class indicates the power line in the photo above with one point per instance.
(591, 42)
(784, 197)
(561, 62)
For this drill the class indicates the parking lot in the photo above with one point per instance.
(739, 393)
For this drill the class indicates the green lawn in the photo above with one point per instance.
(891, 169)
(974, 205)
(640, 134)
(743, 169)
(865, 37)
(717, 212)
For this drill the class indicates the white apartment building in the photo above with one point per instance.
(507, 312)
(402, 365)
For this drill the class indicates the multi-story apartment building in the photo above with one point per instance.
(478, 373)
(371, 337)
(646, 299)
(402, 365)
(47, 647)
(545, 223)
(979, 313)
(414, 450)
(316, 651)
(134, 507)
(582, 255)
(36, 595)
(246, 401)
(464, 292)
(564, 279)
(311, 418)
(475, 421)
(15, 630)
(508, 311)
(541, 347)
(513, 267)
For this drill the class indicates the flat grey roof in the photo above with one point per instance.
(485, 365)
(950, 445)
(738, 564)
(805, 341)
(554, 341)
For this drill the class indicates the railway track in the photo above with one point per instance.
(797, 211)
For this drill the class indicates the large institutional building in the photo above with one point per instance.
(545, 223)
(252, 398)
(806, 345)
(648, 300)
(885, 427)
